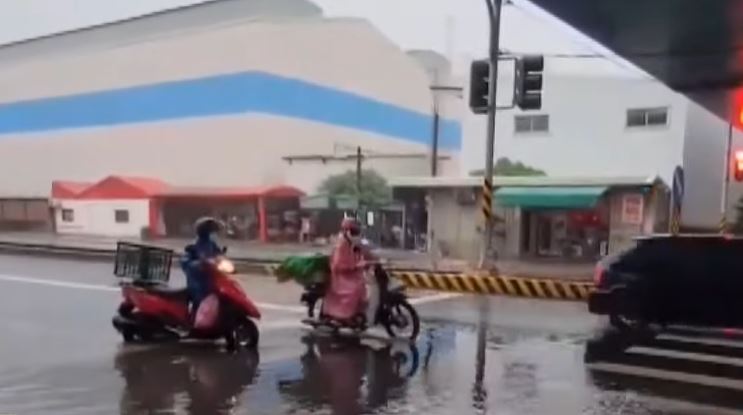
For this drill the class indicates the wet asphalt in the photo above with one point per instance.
(60, 355)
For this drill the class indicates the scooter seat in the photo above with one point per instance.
(169, 292)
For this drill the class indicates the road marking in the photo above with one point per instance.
(701, 340)
(675, 354)
(729, 332)
(276, 325)
(60, 284)
(280, 307)
(667, 375)
(433, 298)
(265, 306)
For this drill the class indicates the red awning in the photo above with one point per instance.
(122, 187)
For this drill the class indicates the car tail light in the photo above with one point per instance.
(598, 275)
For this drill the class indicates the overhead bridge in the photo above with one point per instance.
(693, 46)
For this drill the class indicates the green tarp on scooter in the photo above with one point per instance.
(305, 269)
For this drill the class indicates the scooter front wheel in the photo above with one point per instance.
(244, 335)
(403, 321)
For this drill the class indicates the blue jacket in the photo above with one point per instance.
(197, 282)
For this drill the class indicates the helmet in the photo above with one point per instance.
(206, 226)
(351, 226)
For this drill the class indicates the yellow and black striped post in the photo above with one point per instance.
(675, 224)
(487, 200)
(723, 229)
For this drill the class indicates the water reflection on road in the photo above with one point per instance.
(195, 378)
(350, 377)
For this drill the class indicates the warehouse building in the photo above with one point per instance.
(228, 93)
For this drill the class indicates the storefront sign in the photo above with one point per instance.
(632, 207)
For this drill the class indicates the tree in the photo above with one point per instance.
(505, 167)
(374, 188)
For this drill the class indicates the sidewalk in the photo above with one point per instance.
(276, 252)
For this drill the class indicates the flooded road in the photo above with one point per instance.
(59, 355)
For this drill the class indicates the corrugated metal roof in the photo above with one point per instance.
(68, 189)
(210, 13)
(530, 181)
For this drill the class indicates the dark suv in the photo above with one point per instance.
(692, 280)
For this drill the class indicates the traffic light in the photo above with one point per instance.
(738, 166)
(479, 86)
(529, 81)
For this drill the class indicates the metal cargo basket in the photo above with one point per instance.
(143, 264)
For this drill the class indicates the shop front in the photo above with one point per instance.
(540, 218)
(559, 222)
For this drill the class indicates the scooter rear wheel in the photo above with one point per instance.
(403, 321)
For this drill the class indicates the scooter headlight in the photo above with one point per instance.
(226, 266)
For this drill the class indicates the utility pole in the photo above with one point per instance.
(494, 14)
(435, 138)
(726, 180)
(358, 182)
(437, 89)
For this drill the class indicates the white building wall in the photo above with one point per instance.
(704, 164)
(237, 150)
(218, 151)
(346, 54)
(97, 217)
(587, 132)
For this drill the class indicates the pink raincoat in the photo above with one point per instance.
(347, 294)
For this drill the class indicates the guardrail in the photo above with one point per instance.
(483, 283)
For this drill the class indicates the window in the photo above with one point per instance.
(122, 216)
(68, 215)
(647, 117)
(531, 123)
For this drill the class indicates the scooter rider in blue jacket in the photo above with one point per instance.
(205, 247)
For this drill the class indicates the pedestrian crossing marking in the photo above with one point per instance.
(667, 375)
(676, 354)
(701, 340)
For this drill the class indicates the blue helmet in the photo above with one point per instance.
(206, 226)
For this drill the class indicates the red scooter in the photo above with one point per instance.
(152, 311)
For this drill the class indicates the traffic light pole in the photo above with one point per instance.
(494, 14)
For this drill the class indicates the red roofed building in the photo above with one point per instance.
(133, 206)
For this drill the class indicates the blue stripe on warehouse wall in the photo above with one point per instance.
(246, 92)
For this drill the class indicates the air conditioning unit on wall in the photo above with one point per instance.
(466, 197)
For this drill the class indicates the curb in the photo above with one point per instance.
(245, 265)
(468, 283)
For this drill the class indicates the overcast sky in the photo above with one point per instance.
(456, 26)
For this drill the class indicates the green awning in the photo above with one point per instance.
(557, 197)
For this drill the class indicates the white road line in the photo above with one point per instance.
(675, 354)
(279, 325)
(667, 375)
(264, 306)
(106, 288)
(433, 298)
(701, 340)
(60, 284)
(281, 307)
(731, 332)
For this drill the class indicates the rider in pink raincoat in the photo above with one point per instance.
(346, 296)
